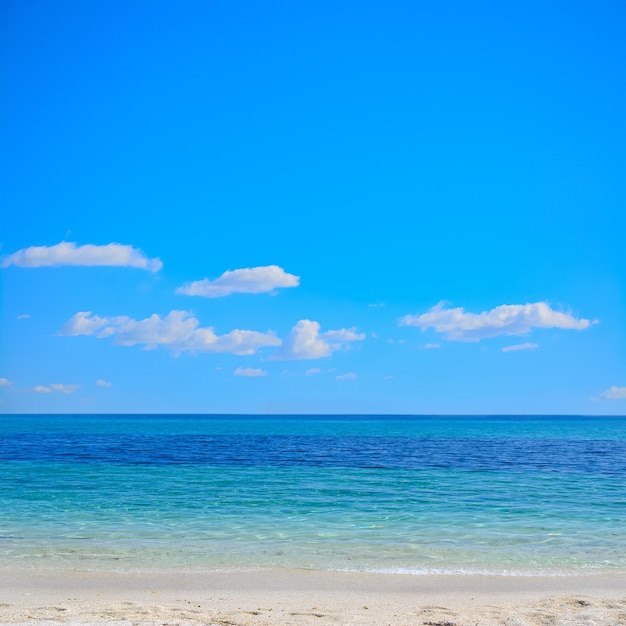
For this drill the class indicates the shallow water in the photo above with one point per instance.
(506, 495)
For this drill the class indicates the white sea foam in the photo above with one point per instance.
(405, 571)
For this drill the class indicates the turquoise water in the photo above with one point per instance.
(417, 495)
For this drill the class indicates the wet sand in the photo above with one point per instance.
(308, 597)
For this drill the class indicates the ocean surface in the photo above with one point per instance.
(509, 495)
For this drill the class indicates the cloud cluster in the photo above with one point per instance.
(305, 341)
(55, 387)
(614, 393)
(4, 382)
(67, 253)
(507, 319)
(248, 280)
(178, 331)
(520, 346)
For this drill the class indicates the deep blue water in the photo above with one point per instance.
(370, 493)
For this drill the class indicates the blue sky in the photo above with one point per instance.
(407, 207)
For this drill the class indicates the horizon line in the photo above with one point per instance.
(53, 414)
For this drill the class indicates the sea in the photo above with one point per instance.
(509, 495)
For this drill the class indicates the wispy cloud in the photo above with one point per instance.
(250, 371)
(68, 253)
(262, 279)
(520, 346)
(432, 346)
(55, 387)
(305, 341)
(4, 382)
(178, 331)
(312, 371)
(507, 319)
(103, 383)
(25, 316)
(613, 393)
(347, 376)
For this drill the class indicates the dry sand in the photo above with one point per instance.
(308, 597)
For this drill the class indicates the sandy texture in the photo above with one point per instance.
(308, 597)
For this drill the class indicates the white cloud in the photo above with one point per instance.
(507, 319)
(305, 341)
(249, 371)
(614, 393)
(56, 387)
(178, 331)
(64, 388)
(248, 280)
(348, 376)
(431, 346)
(68, 253)
(520, 346)
(23, 317)
(313, 371)
(387, 377)
(4, 382)
(376, 305)
(103, 383)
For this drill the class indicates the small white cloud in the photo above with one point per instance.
(520, 346)
(431, 346)
(313, 371)
(4, 382)
(376, 305)
(25, 316)
(248, 280)
(249, 371)
(387, 377)
(64, 388)
(68, 253)
(305, 341)
(507, 319)
(178, 331)
(613, 393)
(55, 387)
(103, 383)
(347, 376)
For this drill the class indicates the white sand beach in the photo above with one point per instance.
(278, 597)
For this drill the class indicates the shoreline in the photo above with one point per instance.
(307, 596)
